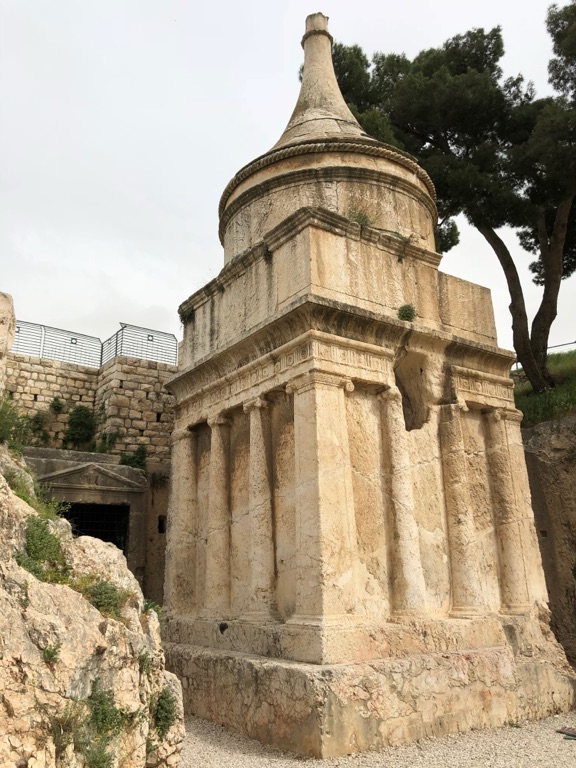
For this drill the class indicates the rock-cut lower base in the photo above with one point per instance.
(332, 710)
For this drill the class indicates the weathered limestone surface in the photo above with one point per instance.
(35, 616)
(7, 327)
(551, 459)
(351, 550)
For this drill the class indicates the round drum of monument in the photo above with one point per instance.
(324, 159)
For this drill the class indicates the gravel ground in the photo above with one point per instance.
(531, 745)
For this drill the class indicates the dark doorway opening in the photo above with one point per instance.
(108, 522)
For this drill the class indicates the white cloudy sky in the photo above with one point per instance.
(121, 121)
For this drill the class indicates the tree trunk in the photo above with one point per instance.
(517, 307)
(552, 257)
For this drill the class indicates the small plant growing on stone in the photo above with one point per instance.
(360, 217)
(144, 663)
(150, 605)
(163, 712)
(51, 653)
(42, 556)
(103, 595)
(407, 312)
(81, 427)
(56, 406)
(136, 459)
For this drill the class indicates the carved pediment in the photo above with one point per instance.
(91, 475)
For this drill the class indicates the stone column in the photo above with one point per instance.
(512, 555)
(261, 544)
(217, 577)
(180, 574)
(408, 588)
(325, 525)
(463, 550)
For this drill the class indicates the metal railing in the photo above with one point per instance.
(144, 343)
(56, 344)
(130, 341)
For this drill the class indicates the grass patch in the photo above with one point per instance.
(103, 595)
(37, 496)
(554, 403)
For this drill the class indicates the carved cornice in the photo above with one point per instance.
(366, 147)
(320, 218)
(325, 175)
(312, 352)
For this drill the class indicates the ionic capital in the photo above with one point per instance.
(314, 379)
(255, 402)
(184, 433)
(218, 421)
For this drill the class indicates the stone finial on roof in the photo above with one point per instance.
(320, 112)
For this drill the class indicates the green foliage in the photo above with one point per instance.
(50, 653)
(163, 712)
(107, 442)
(150, 605)
(81, 427)
(65, 727)
(144, 663)
(553, 403)
(105, 717)
(43, 556)
(561, 25)
(38, 424)
(37, 497)
(360, 217)
(90, 726)
(136, 459)
(14, 428)
(407, 312)
(103, 595)
(495, 153)
(446, 236)
(56, 406)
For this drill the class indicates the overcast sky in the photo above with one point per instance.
(121, 121)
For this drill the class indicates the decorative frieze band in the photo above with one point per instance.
(483, 388)
(372, 364)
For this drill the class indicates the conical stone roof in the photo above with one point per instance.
(324, 160)
(320, 112)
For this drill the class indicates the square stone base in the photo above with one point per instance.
(338, 709)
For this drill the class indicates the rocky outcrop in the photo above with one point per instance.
(7, 328)
(80, 685)
(550, 450)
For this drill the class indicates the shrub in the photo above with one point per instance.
(56, 406)
(81, 427)
(407, 312)
(14, 428)
(136, 459)
(163, 711)
(43, 556)
(103, 595)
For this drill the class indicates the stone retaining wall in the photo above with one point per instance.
(126, 394)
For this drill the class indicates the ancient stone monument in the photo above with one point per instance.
(351, 555)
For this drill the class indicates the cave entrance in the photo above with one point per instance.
(108, 522)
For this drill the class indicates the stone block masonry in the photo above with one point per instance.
(127, 395)
(351, 558)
